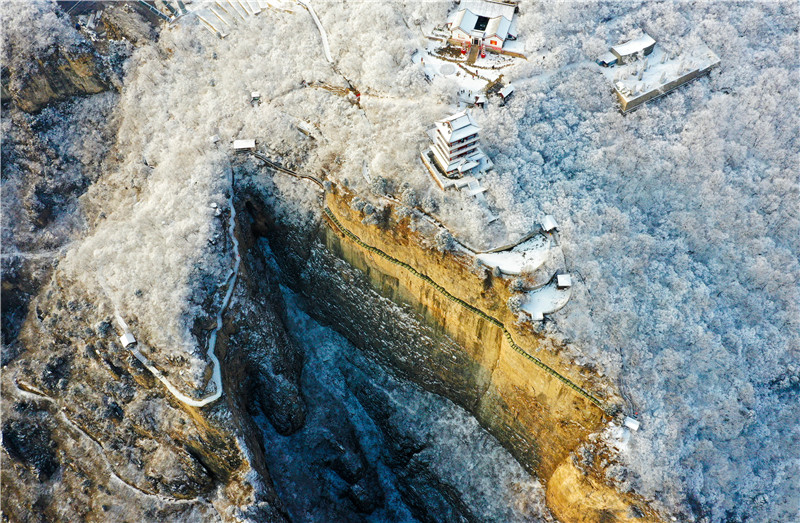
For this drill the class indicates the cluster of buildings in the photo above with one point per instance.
(640, 70)
(454, 158)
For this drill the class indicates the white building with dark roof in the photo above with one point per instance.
(456, 146)
(487, 23)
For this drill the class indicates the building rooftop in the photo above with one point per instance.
(244, 144)
(483, 17)
(489, 9)
(457, 126)
(465, 19)
(506, 91)
(633, 46)
(498, 26)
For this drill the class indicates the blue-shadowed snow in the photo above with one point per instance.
(344, 419)
(544, 300)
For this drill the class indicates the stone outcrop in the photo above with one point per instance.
(59, 73)
(73, 64)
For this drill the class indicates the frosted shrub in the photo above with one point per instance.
(358, 204)
(430, 204)
(401, 211)
(381, 186)
(409, 197)
(515, 303)
(444, 241)
(517, 285)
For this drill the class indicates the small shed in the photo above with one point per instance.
(255, 97)
(549, 223)
(307, 129)
(631, 423)
(563, 281)
(127, 340)
(506, 91)
(214, 139)
(607, 59)
(244, 145)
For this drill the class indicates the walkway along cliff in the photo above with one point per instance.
(434, 320)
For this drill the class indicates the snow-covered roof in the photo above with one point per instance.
(563, 281)
(631, 423)
(506, 91)
(498, 26)
(127, 339)
(457, 126)
(467, 165)
(244, 144)
(549, 223)
(464, 20)
(499, 14)
(607, 58)
(633, 46)
(489, 9)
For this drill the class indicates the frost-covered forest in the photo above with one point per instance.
(679, 221)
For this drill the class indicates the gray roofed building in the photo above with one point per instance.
(628, 51)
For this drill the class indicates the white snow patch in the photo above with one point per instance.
(527, 256)
(545, 300)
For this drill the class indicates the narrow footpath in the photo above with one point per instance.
(216, 377)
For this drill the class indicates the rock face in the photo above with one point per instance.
(47, 59)
(403, 322)
(90, 434)
(427, 413)
(61, 73)
(44, 174)
(54, 141)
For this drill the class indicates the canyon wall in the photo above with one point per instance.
(404, 322)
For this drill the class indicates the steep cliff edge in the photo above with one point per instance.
(48, 57)
(403, 322)
(88, 432)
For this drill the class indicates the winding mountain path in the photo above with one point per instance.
(216, 377)
(325, 46)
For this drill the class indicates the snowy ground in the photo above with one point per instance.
(471, 80)
(434, 66)
(680, 218)
(544, 300)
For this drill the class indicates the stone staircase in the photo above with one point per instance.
(218, 16)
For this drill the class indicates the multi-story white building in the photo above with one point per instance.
(456, 146)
